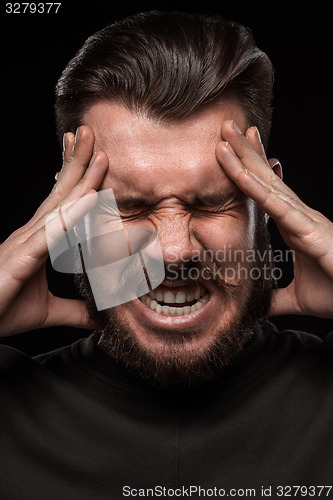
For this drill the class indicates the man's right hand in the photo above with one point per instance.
(25, 300)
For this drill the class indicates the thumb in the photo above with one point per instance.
(68, 312)
(283, 301)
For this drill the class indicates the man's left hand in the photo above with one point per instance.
(306, 231)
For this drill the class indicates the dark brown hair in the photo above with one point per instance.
(167, 65)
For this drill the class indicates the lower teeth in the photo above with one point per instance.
(173, 311)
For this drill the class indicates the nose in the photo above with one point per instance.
(177, 240)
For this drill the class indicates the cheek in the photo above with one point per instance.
(227, 233)
(226, 245)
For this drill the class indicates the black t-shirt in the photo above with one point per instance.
(75, 424)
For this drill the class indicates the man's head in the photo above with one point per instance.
(167, 66)
(156, 89)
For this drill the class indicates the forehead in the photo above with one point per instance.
(154, 160)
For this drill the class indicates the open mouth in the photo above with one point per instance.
(176, 301)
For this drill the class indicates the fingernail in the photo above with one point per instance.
(258, 135)
(231, 149)
(236, 127)
(64, 142)
(77, 135)
(76, 139)
(249, 173)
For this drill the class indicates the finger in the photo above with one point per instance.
(68, 141)
(252, 158)
(27, 258)
(92, 179)
(283, 302)
(276, 199)
(292, 218)
(66, 216)
(78, 154)
(67, 145)
(31, 254)
(253, 136)
(233, 165)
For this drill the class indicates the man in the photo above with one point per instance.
(187, 390)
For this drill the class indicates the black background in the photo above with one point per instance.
(36, 47)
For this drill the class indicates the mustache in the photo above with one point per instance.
(192, 272)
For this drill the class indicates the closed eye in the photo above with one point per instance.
(228, 208)
(214, 204)
(207, 210)
(143, 214)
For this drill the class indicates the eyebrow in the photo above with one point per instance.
(212, 199)
(208, 200)
(131, 201)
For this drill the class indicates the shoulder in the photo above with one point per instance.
(308, 352)
(12, 359)
(300, 338)
(14, 363)
(304, 340)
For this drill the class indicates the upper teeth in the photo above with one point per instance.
(175, 297)
(155, 296)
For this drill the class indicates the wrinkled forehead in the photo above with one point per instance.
(161, 160)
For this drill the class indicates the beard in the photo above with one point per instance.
(175, 365)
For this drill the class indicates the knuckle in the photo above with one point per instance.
(57, 191)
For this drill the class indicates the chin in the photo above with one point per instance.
(183, 333)
(188, 336)
(179, 350)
